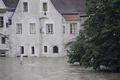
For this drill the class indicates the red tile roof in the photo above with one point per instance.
(71, 17)
(3, 11)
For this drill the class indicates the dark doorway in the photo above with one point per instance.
(22, 49)
(45, 49)
(33, 50)
(55, 49)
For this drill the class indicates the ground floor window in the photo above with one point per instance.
(33, 50)
(22, 49)
(45, 48)
(3, 40)
(55, 49)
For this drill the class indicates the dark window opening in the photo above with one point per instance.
(7, 25)
(1, 22)
(3, 40)
(33, 50)
(44, 6)
(45, 48)
(25, 7)
(55, 49)
(64, 29)
(22, 49)
(10, 21)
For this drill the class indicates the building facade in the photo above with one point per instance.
(42, 27)
(5, 20)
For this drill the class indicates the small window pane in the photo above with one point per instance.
(3, 40)
(19, 28)
(73, 28)
(49, 28)
(1, 22)
(45, 48)
(64, 29)
(22, 49)
(25, 7)
(44, 6)
(32, 28)
(33, 50)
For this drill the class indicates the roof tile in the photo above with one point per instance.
(71, 17)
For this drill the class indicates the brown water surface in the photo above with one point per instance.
(48, 69)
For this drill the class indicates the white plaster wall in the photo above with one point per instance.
(25, 39)
(40, 39)
(55, 39)
(2, 4)
(4, 30)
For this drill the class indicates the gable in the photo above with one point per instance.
(2, 6)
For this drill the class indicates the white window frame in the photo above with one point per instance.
(19, 28)
(32, 28)
(49, 28)
(46, 6)
(73, 28)
(27, 7)
(41, 6)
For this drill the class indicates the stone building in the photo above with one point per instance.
(41, 27)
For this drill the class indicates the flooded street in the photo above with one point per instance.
(48, 69)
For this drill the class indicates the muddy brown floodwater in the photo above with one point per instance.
(48, 69)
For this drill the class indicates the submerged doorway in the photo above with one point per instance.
(55, 49)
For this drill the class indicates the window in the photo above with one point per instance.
(73, 28)
(44, 6)
(25, 7)
(49, 28)
(55, 49)
(32, 28)
(10, 21)
(1, 22)
(3, 40)
(19, 28)
(45, 48)
(7, 25)
(33, 50)
(64, 29)
(22, 49)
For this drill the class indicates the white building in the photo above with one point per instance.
(6, 12)
(44, 27)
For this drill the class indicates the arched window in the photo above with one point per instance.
(55, 49)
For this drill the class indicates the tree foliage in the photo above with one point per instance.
(101, 36)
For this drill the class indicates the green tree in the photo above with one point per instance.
(102, 35)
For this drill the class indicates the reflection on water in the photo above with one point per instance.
(48, 69)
